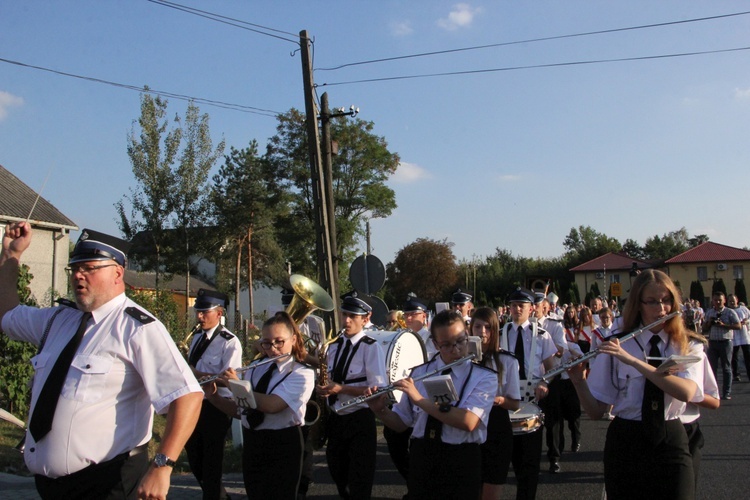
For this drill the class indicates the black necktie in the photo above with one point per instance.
(338, 370)
(200, 348)
(433, 428)
(255, 417)
(44, 411)
(652, 409)
(520, 355)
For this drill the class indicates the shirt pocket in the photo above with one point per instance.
(625, 376)
(86, 379)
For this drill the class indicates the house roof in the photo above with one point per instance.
(17, 199)
(612, 261)
(710, 252)
(147, 281)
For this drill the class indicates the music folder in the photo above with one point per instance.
(675, 362)
(242, 393)
(440, 389)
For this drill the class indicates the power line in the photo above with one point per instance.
(534, 66)
(202, 100)
(531, 40)
(226, 20)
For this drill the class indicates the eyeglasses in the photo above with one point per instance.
(411, 314)
(658, 303)
(278, 343)
(86, 270)
(449, 346)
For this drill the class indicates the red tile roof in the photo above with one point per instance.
(710, 252)
(619, 261)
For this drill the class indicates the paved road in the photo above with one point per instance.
(726, 458)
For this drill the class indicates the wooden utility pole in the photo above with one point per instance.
(325, 118)
(325, 251)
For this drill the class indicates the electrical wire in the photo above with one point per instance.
(226, 20)
(531, 40)
(535, 66)
(202, 100)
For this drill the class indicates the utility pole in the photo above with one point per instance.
(325, 119)
(324, 250)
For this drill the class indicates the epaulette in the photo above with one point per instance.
(507, 353)
(368, 340)
(485, 368)
(226, 335)
(139, 315)
(306, 365)
(66, 303)
(540, 330)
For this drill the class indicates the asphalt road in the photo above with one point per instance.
(725, 466)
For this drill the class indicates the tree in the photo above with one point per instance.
(15, 367)
(667, 246)
(585, 243)
(426, 267)
(696, 240)
(697, 293)
(633, 249)
(188, 200)
(718, 286)
(360, 170)
(152, 168)
(740, 291)
(248, 198)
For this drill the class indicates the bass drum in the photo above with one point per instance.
(403, 350)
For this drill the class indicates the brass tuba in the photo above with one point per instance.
(308, 297)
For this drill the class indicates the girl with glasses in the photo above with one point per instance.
(272, 434)
(646, 451)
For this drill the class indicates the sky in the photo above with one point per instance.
(511, 154)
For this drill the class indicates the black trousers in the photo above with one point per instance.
(115, 479)
(352, 444)
(272, 462)
(634, 468)
(735, 359)
(445, 471)
(497, 450)
(205, 449)
(695, 445)
(527, 454)
(398, 449)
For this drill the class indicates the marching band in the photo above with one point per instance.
(456, 418)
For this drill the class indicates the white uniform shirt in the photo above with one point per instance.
(224, 352)
(508, 382)
(545, 347)
(598, 336)
(368, 362)
(741, 336)
(123, 370)
(429, 345)
(295, 389)
(613, 382)
(478, 397)
(710, 388)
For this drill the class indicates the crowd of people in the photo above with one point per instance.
(484, 399)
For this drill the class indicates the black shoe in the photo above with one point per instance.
(575, 447)
(726, 397)
(554, 467)
(736, 378)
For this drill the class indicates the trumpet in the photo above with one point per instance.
(211, 378)
(391, 387)
(582, 359)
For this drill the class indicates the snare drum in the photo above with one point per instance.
(527, 419)
(403, 350)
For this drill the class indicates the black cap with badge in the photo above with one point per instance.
(460, 297)
(521, 295)
(352, 304)
(413, 304)
(93, 245)
(209, 299)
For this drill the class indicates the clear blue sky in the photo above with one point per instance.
(510, 159)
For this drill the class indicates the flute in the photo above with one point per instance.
(581, 359)
(389, 388)
(211, 378)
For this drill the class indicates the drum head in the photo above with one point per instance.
(403, 350)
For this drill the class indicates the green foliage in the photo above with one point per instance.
(161, 304)
(739, 291)
(360, 170)
(426, 267)
(15, 367)
(585, 243)
(718, 286)
(697, 293)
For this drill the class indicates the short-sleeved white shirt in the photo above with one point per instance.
(710, 388)
(224, 352)
(613, 382)
(367, 364)
(545, 347)
(478, 396)
(293, 382)
(123, 370)
(508, 383)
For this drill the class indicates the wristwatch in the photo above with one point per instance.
(161, 460)
(445, 407)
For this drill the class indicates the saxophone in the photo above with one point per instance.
(184, 346)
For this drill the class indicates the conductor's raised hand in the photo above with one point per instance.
(16, 239)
